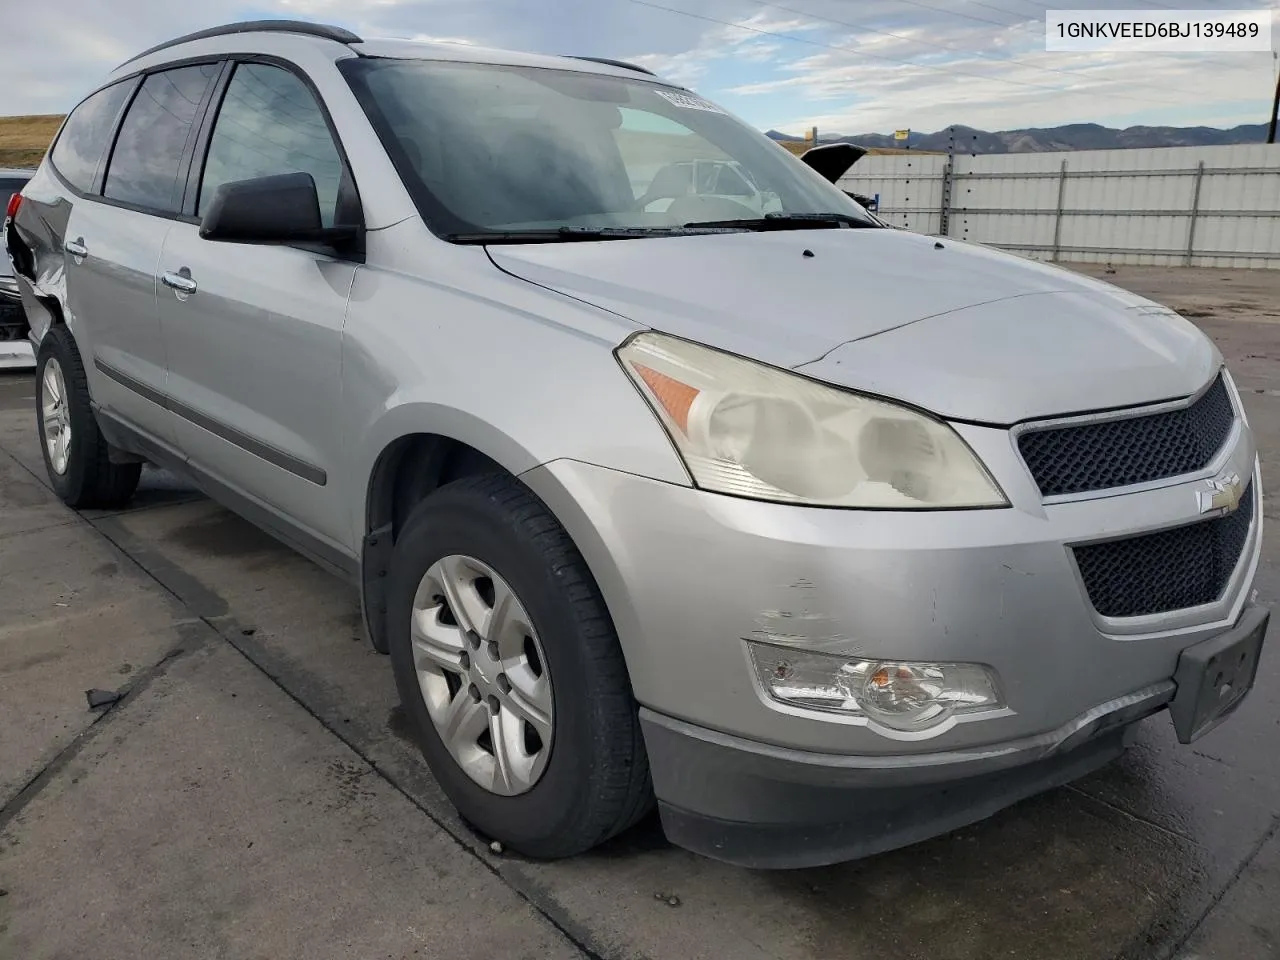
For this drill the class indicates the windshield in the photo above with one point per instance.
(498, 150)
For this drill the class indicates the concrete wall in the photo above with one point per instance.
(1194, 206)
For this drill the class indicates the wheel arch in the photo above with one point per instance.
(415, 452)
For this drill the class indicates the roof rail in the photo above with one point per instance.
(620, 64)
(257, 26)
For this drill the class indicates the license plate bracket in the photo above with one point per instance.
(1214, 676)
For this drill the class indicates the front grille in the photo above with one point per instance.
(1117, 453)
(1170, 570)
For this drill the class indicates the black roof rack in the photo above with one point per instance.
(301, 27)
(620, 64)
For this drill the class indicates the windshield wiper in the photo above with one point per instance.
(568, 234)
(789, 221)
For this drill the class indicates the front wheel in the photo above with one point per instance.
(76, 456)
(508, 664)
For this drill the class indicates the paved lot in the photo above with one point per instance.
(253, 795)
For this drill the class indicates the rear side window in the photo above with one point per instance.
(86, 135)
(147, 163)
(271, 124)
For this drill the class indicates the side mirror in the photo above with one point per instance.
(279, 209)
(871, 204)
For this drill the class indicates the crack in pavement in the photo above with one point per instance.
(40, 529)
(129, 692)
(1174, 952)
(1128, 814)
(92, 515)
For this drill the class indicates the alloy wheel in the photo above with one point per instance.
(55, 416)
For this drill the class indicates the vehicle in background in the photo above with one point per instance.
(731, 180)
(724, 179)
(15, 349)
(833, 161)
(823, 537)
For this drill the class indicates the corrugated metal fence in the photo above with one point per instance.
(1176, 206)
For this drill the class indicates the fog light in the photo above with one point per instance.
(903, 696)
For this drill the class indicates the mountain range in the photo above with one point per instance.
(1074, 136)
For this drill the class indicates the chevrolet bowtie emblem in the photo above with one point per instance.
(1222, 496)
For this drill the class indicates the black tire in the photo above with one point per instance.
(90, 479)
(596, 782)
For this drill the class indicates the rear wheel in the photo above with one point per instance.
(76, 456)
(509, 666)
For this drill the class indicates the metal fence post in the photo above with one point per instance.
(1195, 212)
(1057, 219)
(944, 213)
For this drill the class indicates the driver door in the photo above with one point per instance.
(255, 331)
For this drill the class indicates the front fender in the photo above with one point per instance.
(460, 349)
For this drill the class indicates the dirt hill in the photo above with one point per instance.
(1074, 136)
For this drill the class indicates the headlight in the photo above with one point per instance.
(756, 431)
(908, 697)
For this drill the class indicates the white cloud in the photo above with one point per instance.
(312, 8)
(994, 95)
(57, 50)
(427, 38)
(930, 73)
(750, 39)
(918, 63)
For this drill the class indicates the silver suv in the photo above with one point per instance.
(825, 536)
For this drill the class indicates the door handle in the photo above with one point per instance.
(76, 248)
(182, 285)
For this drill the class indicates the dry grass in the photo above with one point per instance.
(23, 140)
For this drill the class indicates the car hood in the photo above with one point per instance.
(957, 328)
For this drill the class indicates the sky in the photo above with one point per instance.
(846, 66)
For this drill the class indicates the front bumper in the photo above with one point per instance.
(762, 806)
(690, 577)
(754, 806)
(16, 355)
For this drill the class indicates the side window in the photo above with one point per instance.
(146, 165)
(86, 135)
(271, 124)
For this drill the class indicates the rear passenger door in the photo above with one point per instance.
(113, 244)
(255, 331)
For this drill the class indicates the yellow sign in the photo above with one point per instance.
(901, 134)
